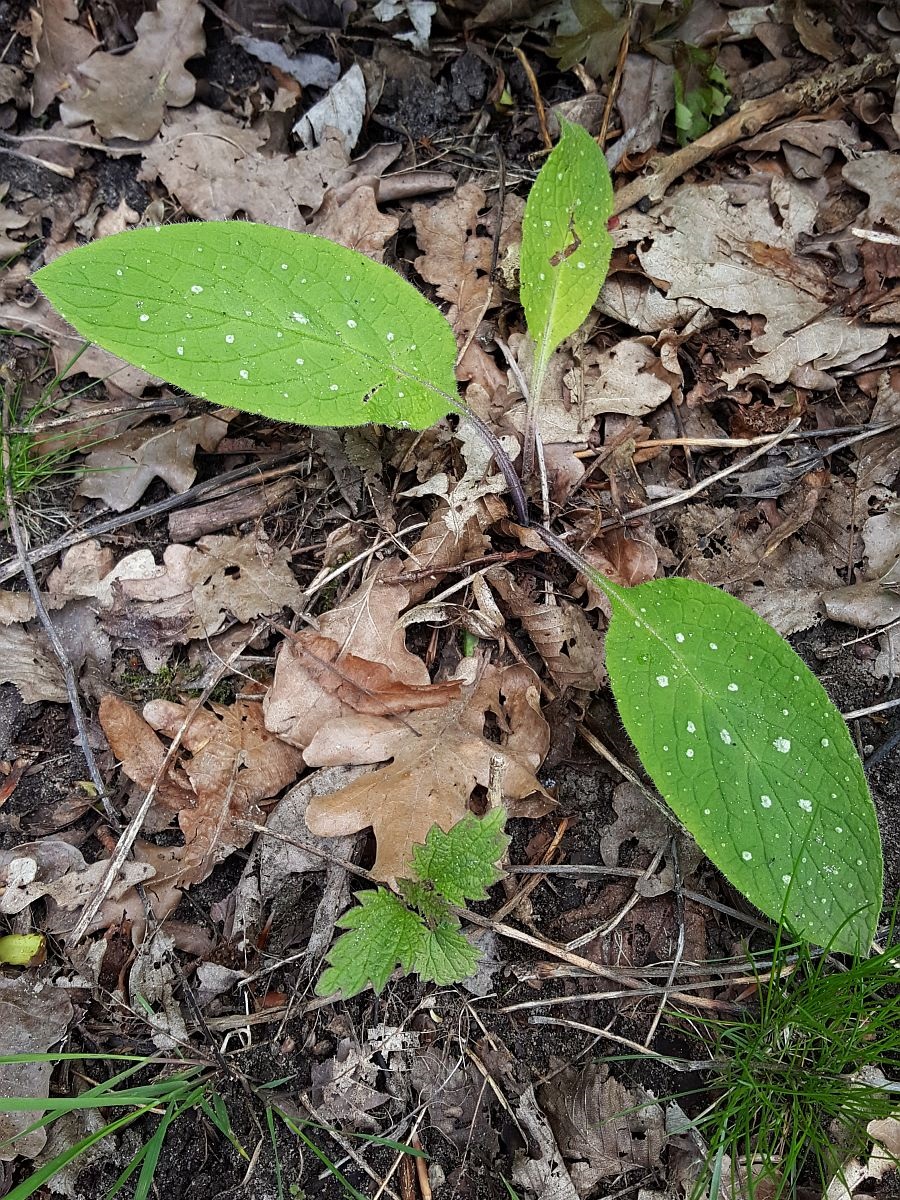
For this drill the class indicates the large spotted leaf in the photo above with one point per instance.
(744, 744)
(283, 324)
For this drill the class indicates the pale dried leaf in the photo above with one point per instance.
(215, 166)
(152, 982)
(340, 111)
(538, 1168)
(343, 1090)
(34, 1017)
(316, 682)
(438, 758)
(25, 662)
(126, 94)
(55, 870)
(119, 472)
(197, 587)
(59, 46)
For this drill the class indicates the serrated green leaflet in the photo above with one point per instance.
(566, 244)
(382, 934)
(743, 742)
(445, 956)
(461, 864)
(287, 325)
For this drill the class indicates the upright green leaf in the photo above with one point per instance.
(287, 325)
(382, 934)
(744, 744)
(462, 864)
(566, 249)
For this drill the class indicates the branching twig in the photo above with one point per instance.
(811, 95)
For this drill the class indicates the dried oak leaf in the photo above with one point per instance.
(437, 759)
(456, 259)
(215, 166)
(322, 683)
(197, 587)
(118, 472)
(364, 627)
(231, 763)
(126, 95)
(560, 632)
(357, 223)
(59, 45)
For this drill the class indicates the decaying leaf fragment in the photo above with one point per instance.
(436, 760)
(127, 94)
(233, 763)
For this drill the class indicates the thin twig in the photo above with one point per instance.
(678, 888)
(14, 566)
(873, 708)
(677, 1064)
(536, 93)
(49, 628)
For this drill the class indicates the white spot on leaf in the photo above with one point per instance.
(782, 745)
(662, 680)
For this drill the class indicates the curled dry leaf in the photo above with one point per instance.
(365, 634)
(231, 762)
(437, 759)
(195, 589)
(120, 471)
(560, 633)
(215, 166)
(355, 684)
(126, 94)
(358, 223)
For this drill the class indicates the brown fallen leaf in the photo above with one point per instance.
(357, 223)
(369, 652)
(125, 95)
(59, 45)
(196, 588)
(119, 472)
(456, 258)
(560, 632)
(231, 763)
(600, 1127)
(215, 166)
(437, 759)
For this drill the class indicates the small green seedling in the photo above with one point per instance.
(418, 929)
(735, 731)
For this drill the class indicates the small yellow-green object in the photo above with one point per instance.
(20, 949)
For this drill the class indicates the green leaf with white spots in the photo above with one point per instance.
(286, 325)
(566, 244)
(744, 744)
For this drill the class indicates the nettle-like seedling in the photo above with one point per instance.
(418, 929)
(736, 732)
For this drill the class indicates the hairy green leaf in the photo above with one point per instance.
(287, 325)
(382, 934)
(566, 244)
(445, 956)
(461, 864)
(745, 745)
